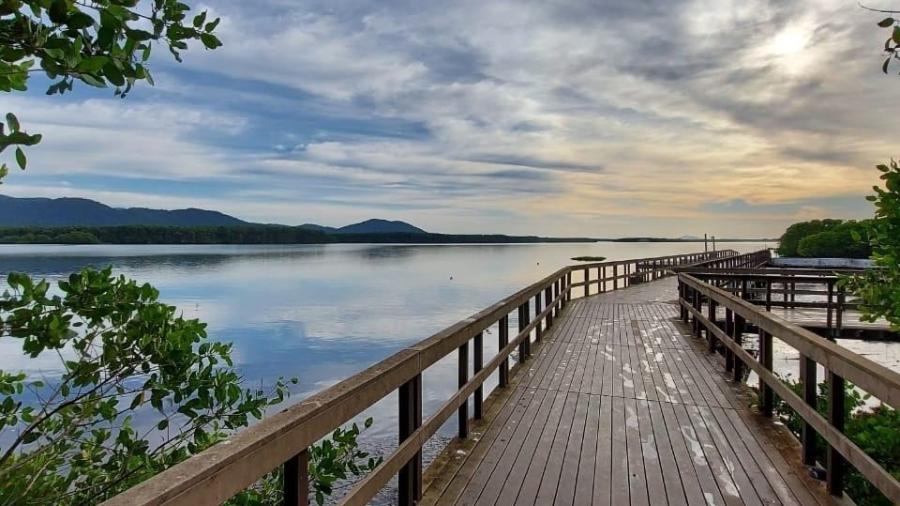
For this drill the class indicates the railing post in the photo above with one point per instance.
(682, 297)
(698, 303)
(729, 330)
(548, 295)
(810, 396)
(710, 337)
(525, 345)
(601, 272)
(503, 340)
(538, 328)
(478, 359)
(463, 378)
(409, 481)
(830, 309)
(835, 462)
(587, 282)
(555, 309)
(766, 399)
(841, 300)
(738, 339)
(768, 294)
(296, 480)
(568, 289)
(615, 276)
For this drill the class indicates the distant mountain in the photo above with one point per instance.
(67, 212)
(376, 226)
(77, 212)
(320, 228)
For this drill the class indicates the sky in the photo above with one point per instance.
(556, 118)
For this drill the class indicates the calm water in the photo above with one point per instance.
(324, 312)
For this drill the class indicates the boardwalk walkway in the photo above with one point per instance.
(620, 405)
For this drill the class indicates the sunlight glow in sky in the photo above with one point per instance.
(730, 117)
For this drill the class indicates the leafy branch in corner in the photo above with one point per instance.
(101, 43)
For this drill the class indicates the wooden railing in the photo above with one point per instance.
(624, 273)
(841, 365)
(774, 287)
(223, 470)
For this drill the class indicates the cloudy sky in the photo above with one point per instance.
(599, 118)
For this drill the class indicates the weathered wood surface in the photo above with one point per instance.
(622, 406)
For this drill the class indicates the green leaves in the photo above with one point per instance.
(879, 289)
(886, 22)
(102, 44)
(122, 347)
(15, 137)
(20, 158)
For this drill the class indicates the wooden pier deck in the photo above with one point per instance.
(621, 405)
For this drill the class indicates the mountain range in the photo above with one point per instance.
(79, 212)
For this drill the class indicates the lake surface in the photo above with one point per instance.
(324, 312)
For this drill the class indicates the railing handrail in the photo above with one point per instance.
(219, 472)
(842, 364)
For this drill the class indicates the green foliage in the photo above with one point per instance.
(98, 42)
(140, 390)
(76, 237)
(332, 460)
(876, 431)
(879, 289)
(120, 352)
(845, 240)
(892, 44)
(337, 459)
(790, 240)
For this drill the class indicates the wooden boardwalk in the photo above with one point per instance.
(620, 405)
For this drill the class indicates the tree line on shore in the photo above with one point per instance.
(240, 234)
(827, 239)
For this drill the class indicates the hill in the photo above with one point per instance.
(72, 212)
(376, 226)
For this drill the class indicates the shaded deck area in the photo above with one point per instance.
(621, 405)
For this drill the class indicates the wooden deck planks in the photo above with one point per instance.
(621, 405)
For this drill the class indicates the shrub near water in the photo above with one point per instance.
(140, 389)
(876, 431)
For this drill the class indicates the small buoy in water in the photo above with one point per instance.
(451, 278)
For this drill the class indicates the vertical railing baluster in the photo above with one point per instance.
(835, 463)
(538, 328)
(768, 294)
(710, 336)
(739, 325)
(830, 309)
(409, 480)
(841, 299)
(478, 359)
(568, 289)
(525, 344)
(587, 282)
(729, 330)
(463, 378)
(615, 276)
(548, 295)
(295, 485)
(503, 340)
(556, 298)
(766, 401)
(810, 396)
